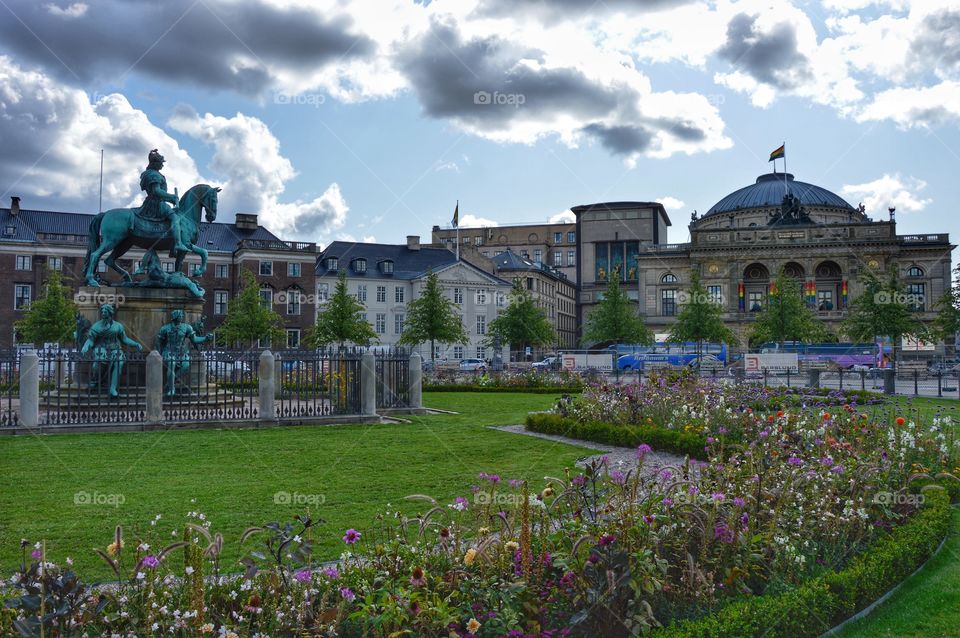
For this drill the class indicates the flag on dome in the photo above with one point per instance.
(777, 154)
(456, 216)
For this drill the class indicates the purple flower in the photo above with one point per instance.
(607, 539)
(723, 533)
(331, 573)
(150, 561)
(593, 558)
(739, 502)
(692, 490)
(795, 460)
(827, 460)
(516, 482)
(710, 439)
(666, 475)
(35, 554)
(347, 594)
(649, 518)
(764, 434)
(837, 469)
(351, 537)
(642, 450)
(718, 497)
(667, 502)
(302, 576)
(618, 477)
(579, 480)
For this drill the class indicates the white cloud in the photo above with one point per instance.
(915, 106)
(566, 217)
(472, 221)
(75, 10)
(366, 239)
(671, 203)
(439, 166)
(889, 191)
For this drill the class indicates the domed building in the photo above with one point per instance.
(744, 239)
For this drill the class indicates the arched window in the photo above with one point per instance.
(756, 271)
(915, 271)
(669, 278)
(793, 270)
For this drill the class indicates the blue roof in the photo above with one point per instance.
(28, 224)
(407, 264)
(508, 261)
(769, 190)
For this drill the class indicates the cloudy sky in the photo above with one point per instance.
(368, 119)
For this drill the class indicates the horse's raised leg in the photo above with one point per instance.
(95, 256)
(111, 262)
(202, 268)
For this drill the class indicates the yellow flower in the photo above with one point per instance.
(473, 626)
(230, 634)
(469, 557)
(483, 531)
(511, 546)
(206, 628)
(113, 549)
(547, 491)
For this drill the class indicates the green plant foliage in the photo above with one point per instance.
(51, 317)
(521, 323)
(786, 317)
(432, 317)
(248, 320)
(615, 318)
(339, 321)
(947, 324)
(701, 319)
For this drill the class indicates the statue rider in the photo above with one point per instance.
(155, 207)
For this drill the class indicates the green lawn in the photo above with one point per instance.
(927, 606)
(232, 476)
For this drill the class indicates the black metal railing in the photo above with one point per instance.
(211, 385)
(9, 389)
(393, 379)
(314, 383)
(76, 389)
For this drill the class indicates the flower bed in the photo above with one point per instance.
(472, 387)
(794, 514)
(510, 381)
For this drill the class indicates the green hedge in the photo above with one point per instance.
(658, 438)
(823, 602)
(464, 387)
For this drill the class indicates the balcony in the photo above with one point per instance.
(276, 244)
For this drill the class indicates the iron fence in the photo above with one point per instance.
(211, 385)
(393, 379)
(9, 389)
(76, 388)
(314, 383)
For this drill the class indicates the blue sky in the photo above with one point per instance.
(358, 120)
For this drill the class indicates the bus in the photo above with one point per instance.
(842, 355)
(636, 357)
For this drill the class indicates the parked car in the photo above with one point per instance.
(473, 365)
(549, 363)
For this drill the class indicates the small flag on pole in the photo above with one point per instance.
(777, 154)
(456, 216)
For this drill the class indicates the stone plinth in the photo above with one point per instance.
(142, 311)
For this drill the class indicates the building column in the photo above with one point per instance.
(30, 389)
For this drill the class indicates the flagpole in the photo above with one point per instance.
(785, 189)
(458, 229)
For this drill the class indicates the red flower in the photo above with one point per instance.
(901, 420)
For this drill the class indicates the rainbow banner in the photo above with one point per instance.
(777, 154)
(843, 293)
(741, 296)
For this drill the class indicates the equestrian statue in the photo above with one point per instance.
(164, 221)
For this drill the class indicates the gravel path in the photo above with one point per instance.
(619, 456)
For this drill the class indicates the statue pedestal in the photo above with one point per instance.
(142, 311)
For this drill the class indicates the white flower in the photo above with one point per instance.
(188, 570)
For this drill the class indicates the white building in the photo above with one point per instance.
(386, 277)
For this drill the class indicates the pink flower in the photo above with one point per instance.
(351, 537)
(607, 539)
(35, 554)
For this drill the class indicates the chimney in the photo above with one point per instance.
(14, 206)
(246, 221)
(413, 242)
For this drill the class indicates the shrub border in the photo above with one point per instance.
(871, 574)
(661, 439)
(462, 387)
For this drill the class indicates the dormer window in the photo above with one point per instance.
(360, 265)
(332, 263)
(387, 266)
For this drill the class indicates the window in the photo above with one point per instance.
(168, 266)
(669, 278)
(668, 302)
(571, 237)
(10, 230)
(380, 326)
(293, 301)
(478, 241)
(557, 258)
(715, 294)
(360, 265)
(22, 294)
(220, 300)
(101, 267)
(266, 268)
(55, 263)
(223, 271)
(915, 271)
(381, 294)
(332, 263)
(501, 300)
(497, 253)
(571, 258)
(387, 267)
(263, 343)
(458, 295)
(293, 270)
(481, 297)
(266, 298)
(557, 238)
(362, 293)
(398, 320)
(529, 283)
(466, 240)
(323, 292)
(916, 294)
(24, 262)
(398, 294)
(481, 325)
(481, 352)
(824, 300)
(458, 352)
(755, 300)
(525, 254)
(537, 256)
(293, 338)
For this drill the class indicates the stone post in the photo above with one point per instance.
(368, 385)
(416, 381)
(889, 381)
(814, 381)
(30, 389)
(268, 386)
(154, 380)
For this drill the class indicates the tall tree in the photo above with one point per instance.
(339, 321)
(616, 318)
(248, 318)
(432, 317)
(947, 324)
(786, 317)
(701, 319)
(884, 311)
(521, 323)
(52, 316)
